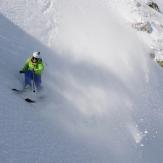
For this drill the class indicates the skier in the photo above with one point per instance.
(32, 70)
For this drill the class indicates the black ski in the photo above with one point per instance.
(26, 99)
(17, 90)
(29, 100)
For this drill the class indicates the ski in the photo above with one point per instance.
(29, 100)
(21, 91)
(17, 90)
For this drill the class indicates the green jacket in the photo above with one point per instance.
(37, 67)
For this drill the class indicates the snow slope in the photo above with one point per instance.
(102, 97)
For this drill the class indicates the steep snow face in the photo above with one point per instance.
(112, 83)
(103, 89)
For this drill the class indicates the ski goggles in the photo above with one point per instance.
(34, 59)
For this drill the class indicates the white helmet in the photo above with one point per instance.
(36, 54)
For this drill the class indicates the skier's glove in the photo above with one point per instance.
(21, 71)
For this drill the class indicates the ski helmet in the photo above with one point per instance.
(36, 54)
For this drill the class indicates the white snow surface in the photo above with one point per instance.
(102, 97)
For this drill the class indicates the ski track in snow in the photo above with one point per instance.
(91, 111)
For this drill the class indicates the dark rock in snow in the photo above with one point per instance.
(154, 6)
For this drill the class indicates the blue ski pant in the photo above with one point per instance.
(29, 76)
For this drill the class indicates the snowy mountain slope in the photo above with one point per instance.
(103, 93)
(26, 136)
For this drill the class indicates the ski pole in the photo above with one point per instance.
(33, 82)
